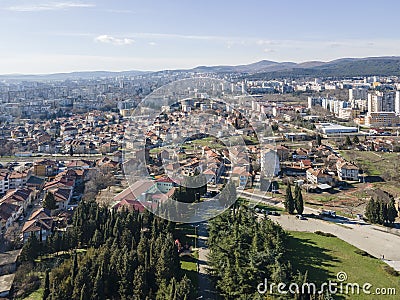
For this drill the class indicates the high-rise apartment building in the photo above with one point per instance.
(381, 101)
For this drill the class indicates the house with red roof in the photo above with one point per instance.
(8, 214)
(165, 184)
(242, 177)
(318, 176)
(40, 223)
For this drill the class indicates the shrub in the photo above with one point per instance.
(363, 253)
(390, 270)
(327, 234)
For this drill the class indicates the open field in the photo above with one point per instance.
(323, 257)
(374, 163)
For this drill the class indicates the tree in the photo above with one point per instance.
(384, 213)
(289, 201)
(139, 283)
(372, 146)
(49, 201)
(46, 291)
(84, 294)
(238, 261)
(348, 141)
(370, 211)
(228, 196)
(31, 249)
(318, 138)
(275, 127)
(183, 288)
(71, 151)
(356, 140)
(98, 286)
(378, 212)
(74, 269)
(392, 212)
(299, 202)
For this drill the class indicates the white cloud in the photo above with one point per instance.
(107, 39)
(152, 44)
(49, 6)
(268, 50)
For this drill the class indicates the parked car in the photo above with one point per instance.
(301, 217)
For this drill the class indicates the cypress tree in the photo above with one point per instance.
(289, 201)
(74, 269)
(98, 286)
(46, 292)
(378, 212)
(348, 141)
(384, 213)
(49, 201)
(299, 202)
(139, 283)
(84, 295)
(392, 212)
(318, 140)
(370, 211)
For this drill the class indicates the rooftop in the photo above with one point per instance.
(6, 282)
(9, 257)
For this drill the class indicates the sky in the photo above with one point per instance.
(47, 36)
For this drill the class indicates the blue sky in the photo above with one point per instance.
(45, 36)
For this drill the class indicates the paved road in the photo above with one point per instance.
(206, 290)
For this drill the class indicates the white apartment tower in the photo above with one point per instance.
(381, 101)
(397, 103)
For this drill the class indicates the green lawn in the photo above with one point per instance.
(208, 141)
(189, 267)
(187, 234)
(323, 257)
(258, 205)
(36, 295)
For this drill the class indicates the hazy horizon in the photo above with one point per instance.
(188, 68)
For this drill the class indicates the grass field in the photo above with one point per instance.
(323, 257)
(189, 267)
(258, 205)
(375, 163)
(187, 234)
(36, 295)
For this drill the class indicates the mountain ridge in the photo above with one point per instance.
(264, 69)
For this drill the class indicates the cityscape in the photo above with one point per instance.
(135, 173)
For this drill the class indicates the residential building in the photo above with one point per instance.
(381, 119)
(318, 176)
(242, 177)
(8, 214)
(381, 101)
(346, 170)
(270, 165)
(40, 223)
(45, 168)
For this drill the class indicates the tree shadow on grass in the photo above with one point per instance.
(306, 256)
